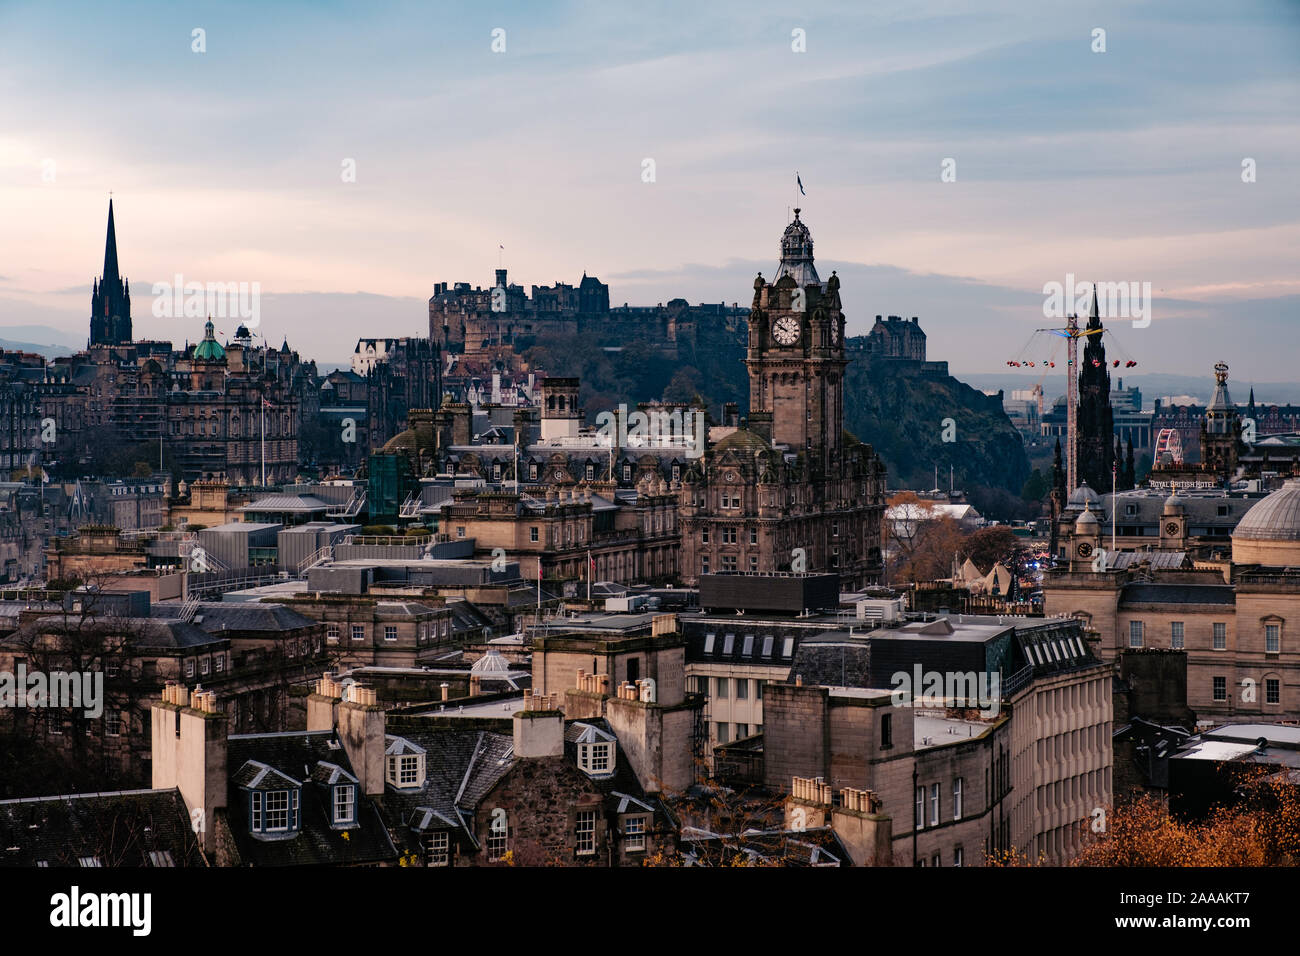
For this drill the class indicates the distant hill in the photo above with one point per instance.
(894, 406)
(900, 408)
(49, 351)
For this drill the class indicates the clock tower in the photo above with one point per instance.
(795, 356)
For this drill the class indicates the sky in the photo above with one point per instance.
(228, 165)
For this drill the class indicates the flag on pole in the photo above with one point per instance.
(800, 182)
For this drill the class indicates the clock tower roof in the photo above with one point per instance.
(797, 254)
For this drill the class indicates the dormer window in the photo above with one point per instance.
(405, 764)
(274, 800)
(596, 753)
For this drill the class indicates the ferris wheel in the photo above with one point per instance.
(1169, 442)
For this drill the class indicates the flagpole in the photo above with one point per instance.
(263, 441)
(590, 567)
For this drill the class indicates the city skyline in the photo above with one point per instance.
(880, 101)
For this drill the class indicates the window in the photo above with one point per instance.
(758, 690)
(498, 837)
(345, 801)
(787, 647)
(627, 472)
(54, 722)
(113, 723)
(742, 731)
(332, 633)
(460, 531)
(205, 665)
(189, 668)
(720, 731)
(595, 758)
(89, 861)
(113, 669)
(957, 857)
(634, 834)
(767, 645)
(437, 848)
(1220, 636)
(886, 730)
(277, 809)
(956, 798)
(753, 536)
(753, 564)
(704, 565)
(1272, 638)
(404, 769)
(586, 832)
(390, 632)
(1176, 635)
(934, 804)
(532, 534)
(1134, 633)
(1272, 691)
(919, 822)
(358, 632)
(728, 644)
(591, 472)
(1220, 688)
(219, 662)
(748, 648)
(708, 643)
(742, 688)
(720, 688)
(704, 536)
(161, 858)
(728, 535)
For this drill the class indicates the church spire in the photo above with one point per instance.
(110, 248)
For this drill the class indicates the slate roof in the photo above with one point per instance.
(127, 828)
(833, 661)
(146, 633)
(1177, 594)
(818, 846)
(297, 755)
(214, 617)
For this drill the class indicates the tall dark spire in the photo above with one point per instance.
(1096, 438)
(110, 248)
(110, 298)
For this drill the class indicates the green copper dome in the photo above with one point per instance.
(209, 350)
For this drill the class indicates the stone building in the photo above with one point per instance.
(251, 654)
(791, 490)
(1231, 618)
(958, 779)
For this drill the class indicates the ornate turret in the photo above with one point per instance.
(797, 254)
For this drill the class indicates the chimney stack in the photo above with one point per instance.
(188, 748)
(361, 728)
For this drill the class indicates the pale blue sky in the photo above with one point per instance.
(225, 165)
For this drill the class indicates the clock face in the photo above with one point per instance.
(1171, 528)
(786, 330)
(559, 475)
(1085, 549)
